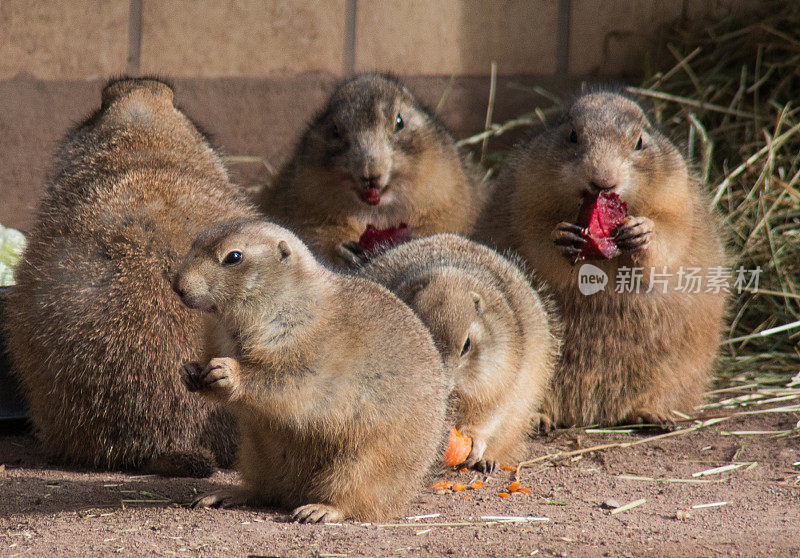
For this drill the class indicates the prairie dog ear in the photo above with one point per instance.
(478, 301)
(413, 289)
(285, 250)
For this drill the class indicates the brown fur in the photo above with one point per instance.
(625, 356)
(464, 291)
(425, 181)
(337, 385)
(94, 329)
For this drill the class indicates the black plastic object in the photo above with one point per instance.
(12, 406)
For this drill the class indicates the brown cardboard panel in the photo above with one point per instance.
(417, 37)
(248, 38)
(63, 40)
(611, 38)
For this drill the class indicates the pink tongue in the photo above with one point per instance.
(372, 196)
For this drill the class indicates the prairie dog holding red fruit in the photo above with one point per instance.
(337, 385)
(373, 156)
(496, 334)
(627, 356)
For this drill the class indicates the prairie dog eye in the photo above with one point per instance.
(398, 123)
(232, 258)
(639, 144)
(573, 136)
(466, 347)
(334, 132)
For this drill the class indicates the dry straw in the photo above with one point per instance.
(736, 82)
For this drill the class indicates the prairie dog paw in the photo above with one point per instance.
(228, 498)
(634, 234)
(568, 239)
(542, 423)
(477, 460)
(219, 379)
(351, 254)
(317, 513)
(190, 374)
(643, 415)
(486, 465)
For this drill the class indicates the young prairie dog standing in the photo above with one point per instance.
(94, 330)
(496, 335)
(338, 388)
(374, 156)
(627, 356)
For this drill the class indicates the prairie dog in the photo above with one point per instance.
(375, 156)
(497, 337)
(95, 331)
(338, 387)
(627, 356)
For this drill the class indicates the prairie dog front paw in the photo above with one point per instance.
(569, 239)
(634, 234)
(219, 379)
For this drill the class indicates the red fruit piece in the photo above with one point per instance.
(599, 216)
(378, 240)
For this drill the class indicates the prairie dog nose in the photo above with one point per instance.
(603, 183)
(372, 181)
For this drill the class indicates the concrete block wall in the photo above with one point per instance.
(254, 71)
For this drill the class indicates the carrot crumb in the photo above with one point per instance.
(476, 485)
(463, 470)
(504, 494)
(525, 490)
(466, 497)
(458, 487)
(513, 487)
(507, 468)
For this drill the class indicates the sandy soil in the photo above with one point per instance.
(50, 510)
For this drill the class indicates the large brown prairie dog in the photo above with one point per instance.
(627, 356)
(375, 156)
(496, 335)
(95, 331)
(338, 387)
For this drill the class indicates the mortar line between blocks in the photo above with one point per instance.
(134, 37)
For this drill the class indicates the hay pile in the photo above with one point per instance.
(733, 93)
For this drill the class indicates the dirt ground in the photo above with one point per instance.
(48, 510)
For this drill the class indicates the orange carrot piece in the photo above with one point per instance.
(513, 487)
(458, 448)
(463, 470)
(458, 487)
(466, 497)
(507, 468)
(476, 485)
(525, 490)
(504, 494)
